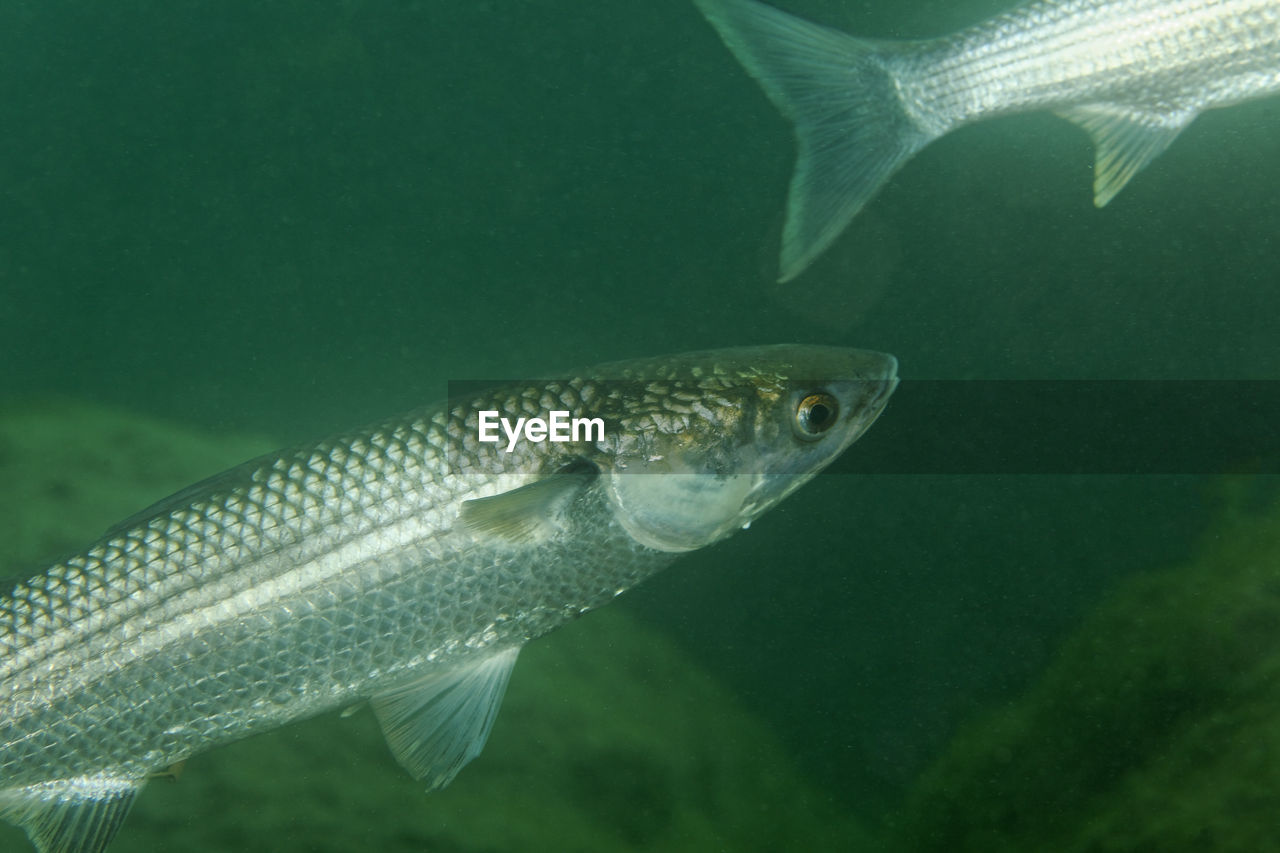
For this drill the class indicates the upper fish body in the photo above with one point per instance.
(1133, 73)
(405, 564)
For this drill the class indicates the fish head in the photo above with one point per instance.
(707, 442)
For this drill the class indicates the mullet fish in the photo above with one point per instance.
(1132, 73)
(405, 564)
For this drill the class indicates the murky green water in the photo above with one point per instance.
(286, 218)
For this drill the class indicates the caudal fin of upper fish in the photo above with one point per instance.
(841, 93)
(79, 815)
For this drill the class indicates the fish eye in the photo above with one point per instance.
(816, 413)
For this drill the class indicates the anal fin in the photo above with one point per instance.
(437, 724)
(1126, 140)
(79, 815)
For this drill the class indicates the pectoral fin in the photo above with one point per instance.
(78, 815)
(1126, 139)
(438, 724)
(529, 513)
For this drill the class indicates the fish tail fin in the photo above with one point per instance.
(841, 93)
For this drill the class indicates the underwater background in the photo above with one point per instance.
(226, 227)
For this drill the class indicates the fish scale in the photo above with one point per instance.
(405, 564)
(1132, 73)
(171, 574)
(1188, 55)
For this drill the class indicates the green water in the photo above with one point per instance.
(287, 218)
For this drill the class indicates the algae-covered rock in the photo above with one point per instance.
(609, 739)
(1156, 728)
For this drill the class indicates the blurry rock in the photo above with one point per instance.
(1154, 729)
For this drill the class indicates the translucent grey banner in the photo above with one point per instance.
(1074, 427)
(1059, 427)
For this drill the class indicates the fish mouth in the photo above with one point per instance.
(883, 382)
(864, 385)
(886, 387)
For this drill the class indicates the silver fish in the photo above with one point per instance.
(405, 564)
(1132, 73)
